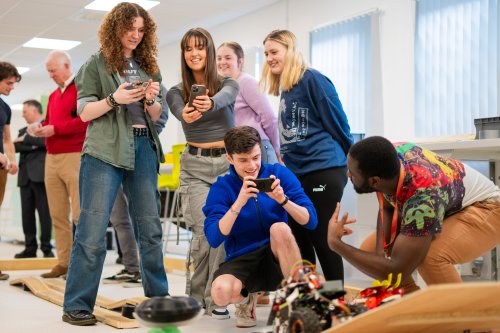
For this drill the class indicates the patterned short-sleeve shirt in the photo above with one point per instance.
(433, 188)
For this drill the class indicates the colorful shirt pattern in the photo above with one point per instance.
(432, 189)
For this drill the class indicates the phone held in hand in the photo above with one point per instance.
(264, 184)
(196, 90)
(138, 84)
(141, 84)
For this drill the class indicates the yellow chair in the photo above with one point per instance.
(170, 184)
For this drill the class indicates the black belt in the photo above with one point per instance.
(141, 131)
(212, 152)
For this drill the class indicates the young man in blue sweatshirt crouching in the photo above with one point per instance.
(260, 247)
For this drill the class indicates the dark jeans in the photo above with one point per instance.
(325, 188)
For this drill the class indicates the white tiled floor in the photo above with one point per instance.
(22, 312)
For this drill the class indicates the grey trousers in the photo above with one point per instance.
(120, 220)
(198, 173)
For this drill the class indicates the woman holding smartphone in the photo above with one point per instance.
(252, 107)
(204, 123)
(121, 147)
(315, 138)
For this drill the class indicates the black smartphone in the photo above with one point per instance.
(264, 184)
(196, 90)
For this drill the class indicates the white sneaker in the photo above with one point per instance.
(245, 313)
(220, 313)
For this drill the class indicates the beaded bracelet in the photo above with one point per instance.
(149, 103)
(111, 100)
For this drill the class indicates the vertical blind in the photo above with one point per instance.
(456, 71)
(342, 52)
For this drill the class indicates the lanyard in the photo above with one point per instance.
(394, 223)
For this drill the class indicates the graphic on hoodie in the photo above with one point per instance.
(293, 123)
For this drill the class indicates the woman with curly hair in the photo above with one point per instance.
(121, 147)
(204, 123)
(315, 138)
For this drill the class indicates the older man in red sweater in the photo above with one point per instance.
(64, 132)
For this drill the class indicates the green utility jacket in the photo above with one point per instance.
(110, 137)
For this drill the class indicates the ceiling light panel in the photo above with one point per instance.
(52, 44)
(107, 5)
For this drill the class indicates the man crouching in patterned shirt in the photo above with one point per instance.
(434, 212)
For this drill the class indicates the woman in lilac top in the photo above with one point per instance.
(251, 107)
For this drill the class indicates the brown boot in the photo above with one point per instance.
(3, 276)
(56, 271)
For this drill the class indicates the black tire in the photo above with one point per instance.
(304, 320)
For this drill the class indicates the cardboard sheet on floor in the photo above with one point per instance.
(40, 289)
(103, 302)
(448, 308)
(27, 264)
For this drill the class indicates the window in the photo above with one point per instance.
(456, 79)
(343, 52)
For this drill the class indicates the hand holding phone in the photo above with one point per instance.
(196, 90)
(264, 184)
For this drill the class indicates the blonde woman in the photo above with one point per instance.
(315, 138)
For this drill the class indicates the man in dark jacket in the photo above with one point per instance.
(31, 183)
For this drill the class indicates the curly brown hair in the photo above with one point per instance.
(117, 22)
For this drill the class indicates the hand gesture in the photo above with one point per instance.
(32, 128)
(44, 131)
(190, 115)
(278, 194)
(13, 168)
(153, 90)
(125, 96)
(337, 229)
(248, 190)
(202, 103)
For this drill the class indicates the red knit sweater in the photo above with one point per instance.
(69, 129)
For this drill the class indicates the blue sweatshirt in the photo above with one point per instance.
(251, 228)
(314, 132)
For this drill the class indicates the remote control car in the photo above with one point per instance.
(305, 303)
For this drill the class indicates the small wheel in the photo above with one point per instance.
(303, 320)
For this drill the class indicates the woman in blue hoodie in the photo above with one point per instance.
(315, 138)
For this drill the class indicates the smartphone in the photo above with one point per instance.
(141, 84)
(264, 184)
(196, 90)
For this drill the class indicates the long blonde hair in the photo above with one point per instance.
(295, 65)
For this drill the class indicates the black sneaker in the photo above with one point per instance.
(134, 282)
(25, 254)
(121, 276)
(79, 318)
(119, 260)
(48, 254)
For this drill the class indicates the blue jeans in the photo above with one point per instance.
(99, 184)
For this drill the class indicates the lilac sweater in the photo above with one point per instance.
(253, 109)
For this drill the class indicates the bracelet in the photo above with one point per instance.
(284, 201)
(112, 101)
(108, 102)
(235, 212)
(149, 103)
